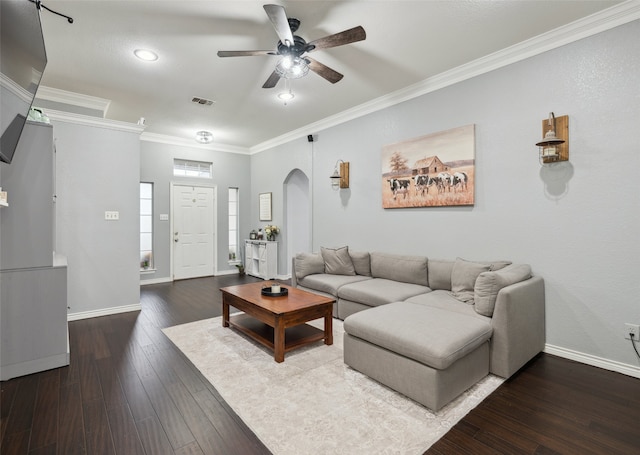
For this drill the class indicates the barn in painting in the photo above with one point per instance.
(430, 165)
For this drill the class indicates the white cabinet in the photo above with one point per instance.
(34, 319)
(261, 258)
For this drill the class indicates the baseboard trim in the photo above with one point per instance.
(169, 279)
(34, 366)
(612, 365)
(227, 272)
(103, 312)
(156, 281)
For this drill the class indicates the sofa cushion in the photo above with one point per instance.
(408, 269)
(431, 336)
(328, 283)
(378, 291)
(337, 261)
(361, 262)
(463, 278)
(445, 301)
(440, 273)
(307, 264)
(489, 284)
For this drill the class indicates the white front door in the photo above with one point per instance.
(193, 231)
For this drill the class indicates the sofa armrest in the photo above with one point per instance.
(518, 326)
(294, 282)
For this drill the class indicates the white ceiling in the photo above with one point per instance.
(407, 42)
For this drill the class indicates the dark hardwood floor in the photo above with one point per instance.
(128, 390)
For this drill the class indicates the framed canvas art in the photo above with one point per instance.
(435, 170)
(265, 206)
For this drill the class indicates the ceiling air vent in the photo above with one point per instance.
(202, 101)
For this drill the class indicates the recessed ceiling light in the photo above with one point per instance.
(204, 137)
(146, 55)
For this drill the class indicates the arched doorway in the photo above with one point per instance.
(297, 216)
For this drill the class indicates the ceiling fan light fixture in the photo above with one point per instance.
(146, 55)
(290, 67)
(204, 137)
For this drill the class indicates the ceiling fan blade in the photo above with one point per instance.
(323, 70)
(272, 80)
(244, 53)
(278, 18)
(338, 39)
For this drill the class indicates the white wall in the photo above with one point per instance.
(98, 169)
(577, 224)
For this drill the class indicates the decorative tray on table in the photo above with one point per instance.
(267, 291)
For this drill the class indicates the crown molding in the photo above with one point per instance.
(9, 84)
(607, 19)
(173, 140)
(87, 120)
(74, 99)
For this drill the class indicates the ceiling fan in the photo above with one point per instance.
(293, 49)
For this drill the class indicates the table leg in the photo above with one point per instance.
(328, 329)
(278, 341)
(225, 312)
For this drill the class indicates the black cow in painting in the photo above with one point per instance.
(399, 186)
(460, 180)
(421, 183)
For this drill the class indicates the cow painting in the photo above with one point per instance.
(443, 159)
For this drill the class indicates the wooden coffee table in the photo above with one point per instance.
(278, 323)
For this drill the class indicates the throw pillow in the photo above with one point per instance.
(489, 284)
(308, 264)
(361, 262)
(463, 278)
(337, 261)
(497, 265)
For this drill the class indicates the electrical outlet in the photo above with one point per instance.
(632, 328)
(111, 215)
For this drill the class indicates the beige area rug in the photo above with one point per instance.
(313, 403)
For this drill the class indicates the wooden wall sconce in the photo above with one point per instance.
(340, 176)
(554, 147)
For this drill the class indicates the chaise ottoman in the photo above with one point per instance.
(429, 354)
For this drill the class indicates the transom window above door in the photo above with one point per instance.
(189, 168)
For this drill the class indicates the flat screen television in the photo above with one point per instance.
(22, 61)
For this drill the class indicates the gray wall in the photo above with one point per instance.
(229, 170)
(98, 169)
(269, 172)
(577, 223)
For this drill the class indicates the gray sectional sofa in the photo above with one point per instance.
(429, 328)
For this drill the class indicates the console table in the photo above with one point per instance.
(261, 258)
